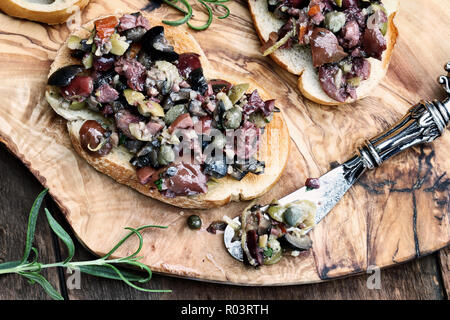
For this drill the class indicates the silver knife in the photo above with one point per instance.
(423, 123)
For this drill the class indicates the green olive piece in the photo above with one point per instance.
(276, 213)
(338, 3)
(354, 82)
(194, 222)
(258, 119)
(274, 258)
(88, 60)
(232, 118)
(237, 91)
(173, 113)
(166, 155)
(75, 105)
(334, 21)
(292, 215)
(383, 28)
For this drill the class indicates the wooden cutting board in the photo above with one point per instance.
(396, 213)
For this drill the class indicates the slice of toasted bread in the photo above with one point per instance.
(298, 60)
(274, 148)
(50, 12)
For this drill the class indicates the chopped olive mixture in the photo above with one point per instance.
(342, 34)
(265, 235)
(158, 105)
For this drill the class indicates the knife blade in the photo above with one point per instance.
(423, 123)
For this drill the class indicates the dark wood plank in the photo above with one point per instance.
(415, 280)
(18, 189)
(418, 279)
(444, 260)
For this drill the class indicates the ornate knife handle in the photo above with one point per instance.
(423, 123)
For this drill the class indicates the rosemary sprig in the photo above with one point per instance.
(101, 267)
(188, 12)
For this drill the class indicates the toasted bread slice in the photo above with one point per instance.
(50, 12)
(298, 59)
(274, 148)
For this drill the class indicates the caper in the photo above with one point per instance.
(237, 91)
(173, 113)
(276, 212)
(166, 155)
(232, 118)
(292, 215)
(194, 222)
(258, 119)
(334, 21)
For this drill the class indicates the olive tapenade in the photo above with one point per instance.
(181, 128)
(266, 234)
(342, 35)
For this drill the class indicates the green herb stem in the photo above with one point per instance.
(189, 13)
(102, 267)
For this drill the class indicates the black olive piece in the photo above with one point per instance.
(294, 241)
(145, 150)
(165, 87)
(133, 145)
(217, 168)
(194, 222)
(104, 78)
(216, 226)
(205, 144)
(264, 226)
(156, 143)
(117, 105)
(134, 34)
(195, 108)
(198, 81)
(181, 96)
(238, 174)
(121, 84)
(272, 5)
(168, 103)
(85, 46)
(78, 54)
(145, 59)
(64, 76)
(155, 44)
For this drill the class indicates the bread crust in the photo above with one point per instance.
(274, 148)
(308, 74)
(55, 13)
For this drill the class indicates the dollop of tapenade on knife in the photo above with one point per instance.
(342, 34)
(266, 234)
(182, 129)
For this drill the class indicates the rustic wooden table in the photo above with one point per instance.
(424, 278)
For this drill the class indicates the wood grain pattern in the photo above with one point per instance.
(444, 260)
(18, 189)
(394, 214)
(418, 279)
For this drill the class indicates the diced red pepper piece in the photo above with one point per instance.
(314, 10)
(105, 27)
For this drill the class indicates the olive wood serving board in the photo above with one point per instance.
(394, 214)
